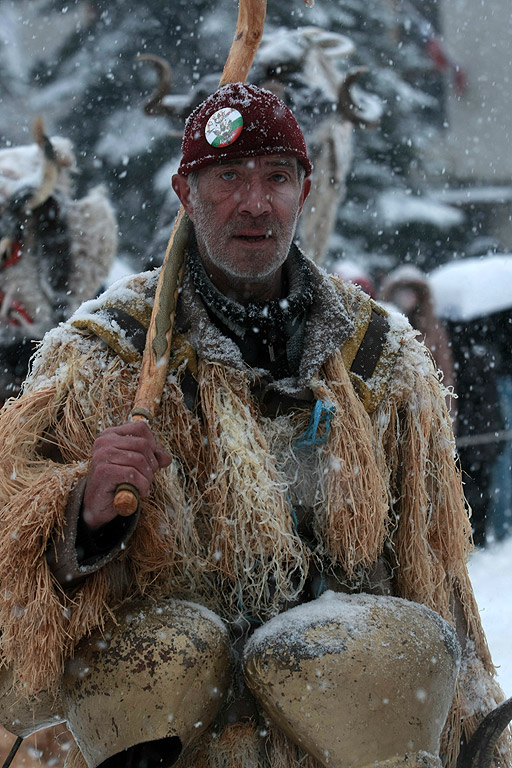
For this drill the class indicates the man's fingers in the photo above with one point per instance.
(145, 463)
(133, 437)
(136, 430)
(125, 454)
(108, 477)
(163, 458)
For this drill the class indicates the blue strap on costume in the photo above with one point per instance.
(321, 417)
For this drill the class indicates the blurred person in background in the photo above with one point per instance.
(464, 361)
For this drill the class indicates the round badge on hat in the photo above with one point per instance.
(224, 127)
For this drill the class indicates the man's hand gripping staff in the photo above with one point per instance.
(120, 454)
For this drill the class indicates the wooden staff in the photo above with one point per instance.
(249, 29)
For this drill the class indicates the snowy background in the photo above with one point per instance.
(490, 571)
(75, 63)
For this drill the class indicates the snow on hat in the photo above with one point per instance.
(240, 120)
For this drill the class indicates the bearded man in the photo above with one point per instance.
(292, 589)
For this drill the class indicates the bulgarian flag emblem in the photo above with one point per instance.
(224, 127)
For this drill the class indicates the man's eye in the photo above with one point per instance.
(228, 175)
(279, 177)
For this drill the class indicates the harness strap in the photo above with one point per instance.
(371, 347)
(133, 329)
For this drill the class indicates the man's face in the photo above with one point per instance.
(245, 213)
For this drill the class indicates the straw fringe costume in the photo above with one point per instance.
(249, 515)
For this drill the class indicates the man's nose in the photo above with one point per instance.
(255, 199)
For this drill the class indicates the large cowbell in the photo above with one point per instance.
(358, 681)
(143, 689)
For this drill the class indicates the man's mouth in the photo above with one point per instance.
(253, 237)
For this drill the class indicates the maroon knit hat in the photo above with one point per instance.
(240, 120)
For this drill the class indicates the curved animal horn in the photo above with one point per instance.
(478, 753)
(346, 104)
(51, 167)
(154, 105)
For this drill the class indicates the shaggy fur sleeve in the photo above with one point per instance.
(59, 413)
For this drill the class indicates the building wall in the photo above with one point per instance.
(478, 35)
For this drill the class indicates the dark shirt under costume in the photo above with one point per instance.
(269, 334)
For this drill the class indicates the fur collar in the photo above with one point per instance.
(327, 326)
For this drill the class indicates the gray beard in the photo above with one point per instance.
(204, 222)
